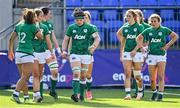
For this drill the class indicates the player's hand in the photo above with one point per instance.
(64, 54)
(92, 49)
(144, 49)
(133, 53)
(11, 55)
(165, 47)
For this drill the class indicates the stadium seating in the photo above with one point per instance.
(114, 24)
(110, 2)
(173, 24)
(91, 3)
(148, 3)
(110, 15)
(166, 2)
(69, 15)
(94, 14)
(147, 13)
(167, 14)
(113, 37)
(73, 3)
(99, 24)
(125, 3)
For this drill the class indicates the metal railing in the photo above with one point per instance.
(5, 35)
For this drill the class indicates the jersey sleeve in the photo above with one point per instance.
(145, 34)
(93, 30)
(167, 31)
(35, 29)
(69, 32)
(16, 29)
(46, 30)
(141, 28)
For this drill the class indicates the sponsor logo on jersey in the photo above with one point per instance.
(74, 31)
(155, 40)
(80, 37)
(126, 30)
(131, 36)
(135, 29)
(50, 25)
(160, 33)
(150, 34)
(85, 30)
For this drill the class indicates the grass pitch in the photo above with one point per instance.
(102, 98)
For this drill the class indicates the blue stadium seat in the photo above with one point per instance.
(69, 15)
(113, 37)
(91, 3)
(178, 2)
(173, 24)
(166, 2)
(110, 2)
(125, 3)
(147, 13)
(70, 3)
(167, 14)
(110, 14)
(94, 14)
(101, 34)
(148, 3)
(99, 24)
(114, 24)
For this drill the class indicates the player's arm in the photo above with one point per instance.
(122, 40)
(64, 46)
(11, 45)
(96, 42)
(139, 40)
(39, 35)
(69, 45)
(55, 42)
(49, 44)
(174, 38)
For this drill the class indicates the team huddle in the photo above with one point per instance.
(37, 44)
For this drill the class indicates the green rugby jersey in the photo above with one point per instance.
(40, 45)
(81, 36)
(50, 26)
(26, 33)
(92, 38)
(157, 39)
(130, 32)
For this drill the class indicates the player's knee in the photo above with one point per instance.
(53, 66)
(36, 74)
(137, 74)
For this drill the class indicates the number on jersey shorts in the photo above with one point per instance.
(23, 58)
(48, 54)
(154, 59)
(84, 59)
(137, 58)
(40, 57)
